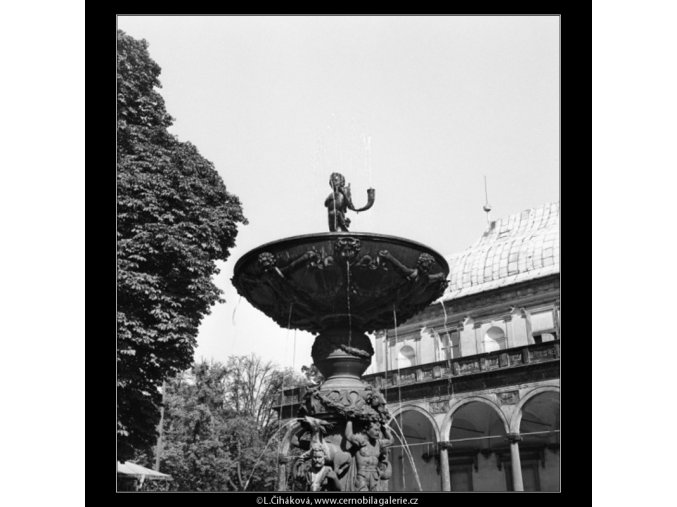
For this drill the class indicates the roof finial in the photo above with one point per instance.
(487, 206)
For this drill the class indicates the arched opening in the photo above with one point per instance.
(539, 448)
(478, 447)
(419, 436)
(494, 339)
(406, 357)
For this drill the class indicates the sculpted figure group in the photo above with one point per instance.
(366, 469)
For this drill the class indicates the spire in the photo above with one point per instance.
(487, 206)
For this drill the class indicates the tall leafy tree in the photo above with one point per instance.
(175, 219)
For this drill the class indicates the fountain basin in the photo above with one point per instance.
(360, 282)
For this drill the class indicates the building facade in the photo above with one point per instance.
(472, 382)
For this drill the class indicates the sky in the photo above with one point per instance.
(422, 108)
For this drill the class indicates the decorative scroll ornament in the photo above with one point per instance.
(347, 248)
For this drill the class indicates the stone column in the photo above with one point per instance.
(479, 343)
(444, 465)
(509, 334)
(514, 439)
(527, 320)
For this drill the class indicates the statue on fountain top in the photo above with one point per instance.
(340, 201)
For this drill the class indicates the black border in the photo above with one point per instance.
(576, 104)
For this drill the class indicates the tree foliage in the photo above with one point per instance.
(220, 432)
(254, 387)
(174, 220)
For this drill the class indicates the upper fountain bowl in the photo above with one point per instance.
(363, 281)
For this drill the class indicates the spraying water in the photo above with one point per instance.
(405, 444)
(350, 321)
(407, 450)
(235, 309)
(367, 157)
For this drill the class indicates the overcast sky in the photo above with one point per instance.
(422, 108)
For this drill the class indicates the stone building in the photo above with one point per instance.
(472, 382)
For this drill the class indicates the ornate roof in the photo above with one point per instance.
(521, 247)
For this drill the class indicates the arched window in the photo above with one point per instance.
(406, 357)
(494, 339)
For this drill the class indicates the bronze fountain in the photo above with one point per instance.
(340, 285)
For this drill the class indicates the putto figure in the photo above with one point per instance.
(340, 201)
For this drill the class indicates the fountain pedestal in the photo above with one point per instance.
(343, 285)
(342, 356)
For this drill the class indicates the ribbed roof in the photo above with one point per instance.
(514, 249)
